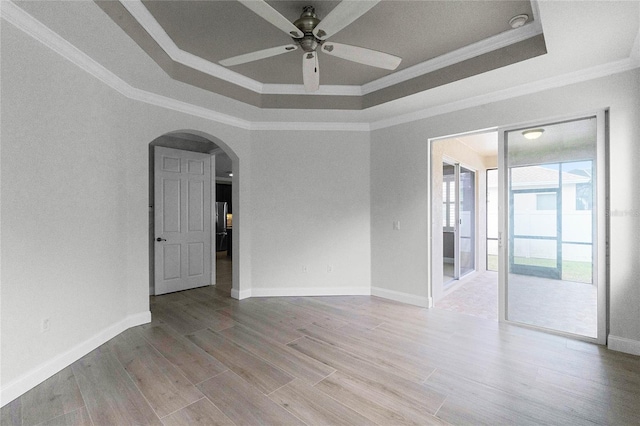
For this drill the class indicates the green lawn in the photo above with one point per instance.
(571, 270)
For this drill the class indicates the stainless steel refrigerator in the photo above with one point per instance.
(221, 226)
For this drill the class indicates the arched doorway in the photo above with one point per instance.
(219, 247)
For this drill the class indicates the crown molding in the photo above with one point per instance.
(20, 19)
(312, 126)
(37, 30)
(490, 44)
(587, 74)
(324, 90)
(16, 16)
(487, 45)
(138, 10)
(141, 14)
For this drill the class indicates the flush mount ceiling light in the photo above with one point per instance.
(518, 21)
(532, 133)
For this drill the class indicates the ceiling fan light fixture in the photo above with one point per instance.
(518, 21)
(532, 133)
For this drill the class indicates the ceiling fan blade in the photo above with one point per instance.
(269, 14)
(342, 15)
(260, 54)
(310, 71)
(362, 55)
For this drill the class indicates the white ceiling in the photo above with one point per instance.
(439, 42)
(485, 144)
(584, 40)
(414, 30)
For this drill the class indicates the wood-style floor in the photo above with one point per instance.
(208, 359)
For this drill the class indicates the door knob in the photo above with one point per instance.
(160, 239)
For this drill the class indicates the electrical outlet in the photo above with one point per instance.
(45, 325)
(396, 225)
(305, 269)
(329, 268)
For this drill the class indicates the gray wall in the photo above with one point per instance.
(75, 206)
(75, 197)
(311, 197)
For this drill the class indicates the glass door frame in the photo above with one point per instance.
(487, 226)
(600, 233)
(457, 268)
(472, 221)
(456, 212)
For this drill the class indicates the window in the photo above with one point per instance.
(448, 202)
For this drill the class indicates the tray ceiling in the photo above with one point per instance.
(439, 42)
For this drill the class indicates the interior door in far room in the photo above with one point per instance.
(182, 220)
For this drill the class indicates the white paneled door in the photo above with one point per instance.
(182, 220)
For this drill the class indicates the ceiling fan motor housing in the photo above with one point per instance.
(306, 23)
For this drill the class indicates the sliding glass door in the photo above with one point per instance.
(458, 221)
(552, 185)
(466, 221)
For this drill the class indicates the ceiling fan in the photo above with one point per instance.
(310, 34)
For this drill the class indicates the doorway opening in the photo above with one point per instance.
(458, 221)
(187, 167)
(554, 197)
(223, 223)
(460, 279)
(541, 251)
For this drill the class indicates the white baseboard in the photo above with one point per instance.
(411, 299)
(334, 291)
(239, 295)
(622, 344)
(31, 379)
(310, 291)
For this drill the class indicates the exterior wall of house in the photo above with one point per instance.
(576, 226)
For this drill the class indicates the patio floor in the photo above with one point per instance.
(555, 304)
